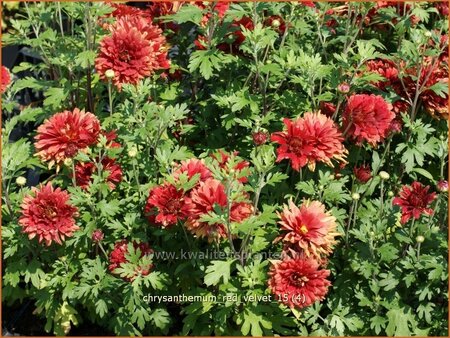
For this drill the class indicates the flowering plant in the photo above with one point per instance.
(226, 168)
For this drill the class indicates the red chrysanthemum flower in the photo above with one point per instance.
(387, 69)
(111, 137)
(192, 167)
(5, 79)
(48, 215)
(362, 173)
(219, 7)
(442, 7)
(117, 258)
(121, 10)
(309, 139)
(327, 108)
(202, 201)
(84, 171)
(298, 282)
(166, 202)
(309, 229)
(367, 118)
(64, 134)
(135, 49)
(433, 74)
(414, 201)
(241, 167)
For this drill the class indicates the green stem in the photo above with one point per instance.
(110, 98)
(136, 177)
(103, 250)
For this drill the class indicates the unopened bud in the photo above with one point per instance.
(420, 239)
(68, 162)
(110, 74)
(276, 23)
(132, 152)
(356, 196)
(97, 235)
(343, 88)
(442, 186)
(21, 181)
(390, 193)
(384, 175)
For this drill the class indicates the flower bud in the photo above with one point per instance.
(442, 186)
(276, 23)
(390, 193)
(259, 138)
(21, 181)
(343, 88)
(68, 162)
(428, 34)
(420, 239)
(332, 177)
(442, 138)
(384, 175)
(97, 235)
(132, 152)
(356, 196)
(110, 74)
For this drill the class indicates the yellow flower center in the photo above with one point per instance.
(304, 229)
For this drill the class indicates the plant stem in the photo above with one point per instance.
(110, 98)
(103, 250)
(136, 177)
(74, 179)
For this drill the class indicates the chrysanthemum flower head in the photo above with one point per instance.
(117, 257)
(367, 118)
(362, 173)
(192, 167)
(48, 215)
(164, 205)
(203, 200)
(310, 139)
(298, 282)
(64, 134)
(5, 79)
(308, 229)
(134, 50)
(84, 172)
(414, 201)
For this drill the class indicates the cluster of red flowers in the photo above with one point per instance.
(308, 237)
(414, 201)
(62, 136)
(135, 49)
(432, 72)
(168, 204)
(117, 258)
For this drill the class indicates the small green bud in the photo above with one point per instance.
(21, 181)
(384, 175)
(110, 74)
(420, 239)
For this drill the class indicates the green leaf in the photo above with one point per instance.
(398, 322)
(216, 271)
